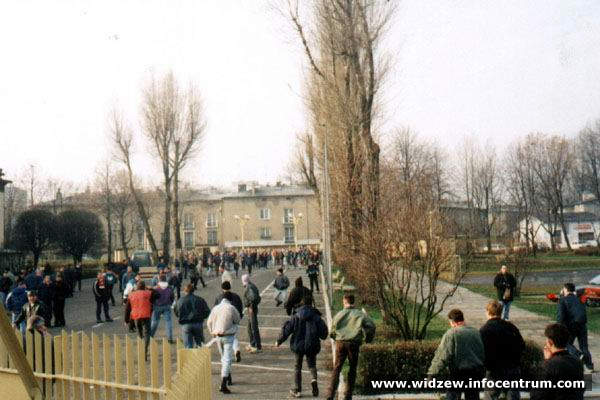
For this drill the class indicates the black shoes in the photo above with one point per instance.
(238, 356)
(229, 381)
(315, 389)
(224, 388)
(109, 320)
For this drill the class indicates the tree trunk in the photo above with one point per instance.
(109, 234)
(123, 238)
(564, 230)
(176, 219)
(166, 242)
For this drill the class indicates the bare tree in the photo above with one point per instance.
(124, 210)
(103, 200)
(173, 122)
(122, 138)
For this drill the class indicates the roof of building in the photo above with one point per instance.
(260, 191)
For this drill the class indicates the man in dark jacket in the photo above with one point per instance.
(235, 301)
(281, 284)
(15, 301)
(572, 314)
(61, 291)
(191, 310)
(32, 310)
(46, 296)
(503, 346)
(559, 365)
(78, 275)
(313, 271)
(251, 301)
(102, 295)
(505, 284)
(296, 296)
(162, 307)
(307, 329)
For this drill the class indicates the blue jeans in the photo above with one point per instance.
(192, 333)
(579, 332)
(156, 313)
(226, 347)
(505, 308)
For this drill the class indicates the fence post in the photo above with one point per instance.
(18, 357)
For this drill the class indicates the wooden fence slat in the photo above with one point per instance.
(85, 352)
(75, 355)
(118, 366)
(96, 364)
(106, 361)
(141, 366)
(154, 366)
(129, 364)
(38, 357)
(3, 355)
(29, 348)
(166, 364)
(65, 364)
(58, 386)
(48, 366)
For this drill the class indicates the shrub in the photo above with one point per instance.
(409, 360)
(586, 251)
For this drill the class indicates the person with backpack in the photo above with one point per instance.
(307, 329)
(281, 284)
(162, 307)
(251, 302)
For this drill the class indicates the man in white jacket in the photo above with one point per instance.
(223, 324)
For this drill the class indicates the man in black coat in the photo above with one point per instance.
(505, 284)
(307, 329)
(61, 292)
(191, 310)
(572, 313)
(46, 295)
(296, 296)
(503, 346)
(559, 365)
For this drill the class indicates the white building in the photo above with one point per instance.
(583, 228)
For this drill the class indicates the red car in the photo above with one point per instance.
(588, 294)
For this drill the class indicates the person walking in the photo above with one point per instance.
(296, 296)
(559, 365)
(235, 301)
(461, 351)
(162, 307)
(281, 284)
(225, 274)
(313, 275)
(251, 302)
(139, 310)
(191, 311)
(15, 301)
(61, 291)
(572, 313)
(46, 295)
(503, 346)
(222, 324)
(349, 328)
(505, 284)
(102, 295)
(77, 275)
(110, 279)
(127, 276)
(307, 329)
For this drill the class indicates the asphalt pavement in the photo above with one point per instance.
(267, 375)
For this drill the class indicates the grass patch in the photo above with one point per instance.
(533, 298)
(543, 262)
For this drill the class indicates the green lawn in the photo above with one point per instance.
(533, 298)
(543, 262)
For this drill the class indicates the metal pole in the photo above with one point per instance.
(327, 239)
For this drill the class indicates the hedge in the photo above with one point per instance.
(409, 360)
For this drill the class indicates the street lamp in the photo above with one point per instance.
(242, 221)
(296, 219)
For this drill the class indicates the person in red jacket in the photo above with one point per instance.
(139, 310)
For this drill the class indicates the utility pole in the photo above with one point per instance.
(326, 219)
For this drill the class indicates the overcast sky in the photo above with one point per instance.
(495, 70)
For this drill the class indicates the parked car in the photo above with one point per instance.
(588, 294)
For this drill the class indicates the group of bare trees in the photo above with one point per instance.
(173, 125)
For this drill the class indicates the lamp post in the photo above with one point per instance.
(242, 221)
(296, 219)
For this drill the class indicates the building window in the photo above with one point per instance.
(188, 240)
(211, 220)
(211, 237)
(188, 221)
(265, 213)
(586, 237)
(289, 234)
(288, 215)
(265, 232)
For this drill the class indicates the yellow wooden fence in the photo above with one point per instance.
(80, 366)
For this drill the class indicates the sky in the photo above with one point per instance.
(490, 70)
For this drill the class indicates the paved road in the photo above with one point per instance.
(268, 375)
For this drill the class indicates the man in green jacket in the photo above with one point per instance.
(349, 327)
(461, 353)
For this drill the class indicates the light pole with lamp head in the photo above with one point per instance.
(242, 221)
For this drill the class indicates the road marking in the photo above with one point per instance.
(268, 368)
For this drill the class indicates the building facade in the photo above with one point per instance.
(582, 229)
